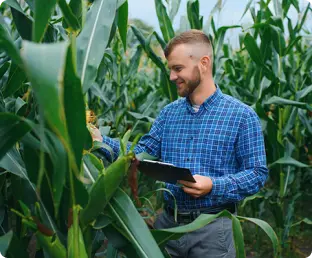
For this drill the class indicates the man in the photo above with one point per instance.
(214, 135)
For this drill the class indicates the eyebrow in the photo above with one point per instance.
(175, 66)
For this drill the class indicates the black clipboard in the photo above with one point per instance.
(165, 172)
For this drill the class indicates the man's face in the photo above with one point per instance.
(184, 70)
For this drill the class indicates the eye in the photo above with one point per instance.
(178, 68)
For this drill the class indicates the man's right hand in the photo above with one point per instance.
(95, 134)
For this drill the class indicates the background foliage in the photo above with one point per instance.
(61, 198)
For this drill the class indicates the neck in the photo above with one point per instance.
(204, 90)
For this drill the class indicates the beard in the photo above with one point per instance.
(190, 85)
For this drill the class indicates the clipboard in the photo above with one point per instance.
(165, 172)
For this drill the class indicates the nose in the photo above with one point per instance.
(173, 76)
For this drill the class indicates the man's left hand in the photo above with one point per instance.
(202, 186)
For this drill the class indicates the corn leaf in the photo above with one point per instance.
(123, 23)
(122, 209)
(93, 39)
(5, 242)
(52, 245)
(69, 16)
(16, 78)
(43, 12)
(164, 21)
(45, 78)
(7, 44)
(12, 129)
(267, 229)
(74, 106)
(76, 245)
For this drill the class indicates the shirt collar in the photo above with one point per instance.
(214, 98)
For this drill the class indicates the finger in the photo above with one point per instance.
(186, 183)
(190, 191)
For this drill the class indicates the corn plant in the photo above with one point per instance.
(60, 59)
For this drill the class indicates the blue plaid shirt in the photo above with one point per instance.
(223, 141)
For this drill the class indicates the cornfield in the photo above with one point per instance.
(61, 60)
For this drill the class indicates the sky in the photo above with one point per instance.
(230, 15)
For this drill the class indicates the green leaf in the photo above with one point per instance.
(5, 242)
(43, 12)
(168, 87)
(14, 4)
(193, 14)
(93, 167)
(31, 4)
(22, 23)
(17, 248)
(68, 14)
(164, 21)
(305, 220)
(291, 45)
(13, 163)
(281, 101)
(7, 44)
(238, 238)
(93, 39)
(20, 106)
(303, 19)
(162, 237)
(103, 189)
(16, 78)
(305, 120)
(160, 40)
(210, 21)
(289, 161)
(4, 68)
(304, 92)
(119, 241)
(76, 245)
(278, 39)
(102, 221)
(74, 106)
(291, 121)
(253, 50)
(51, 245)
(267, 229)
(139, 116)
(151, 54)
(123, 23)
(278, 8)
(175, 5)
(246, 8)
(12, 129)
(123, 210)
(45, 78)
(134, 64)
(59, 158)
(258, 195)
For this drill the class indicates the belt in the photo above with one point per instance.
(189, 216)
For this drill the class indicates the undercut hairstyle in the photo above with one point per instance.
(190, 37)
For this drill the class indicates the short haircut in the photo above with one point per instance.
(189, 37)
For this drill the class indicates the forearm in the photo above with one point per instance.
(236, 187)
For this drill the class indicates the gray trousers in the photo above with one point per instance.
(214, 240)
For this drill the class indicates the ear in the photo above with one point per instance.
(205, 62)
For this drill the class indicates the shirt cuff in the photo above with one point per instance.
(218, 186)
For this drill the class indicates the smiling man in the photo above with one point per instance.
(214, 135)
